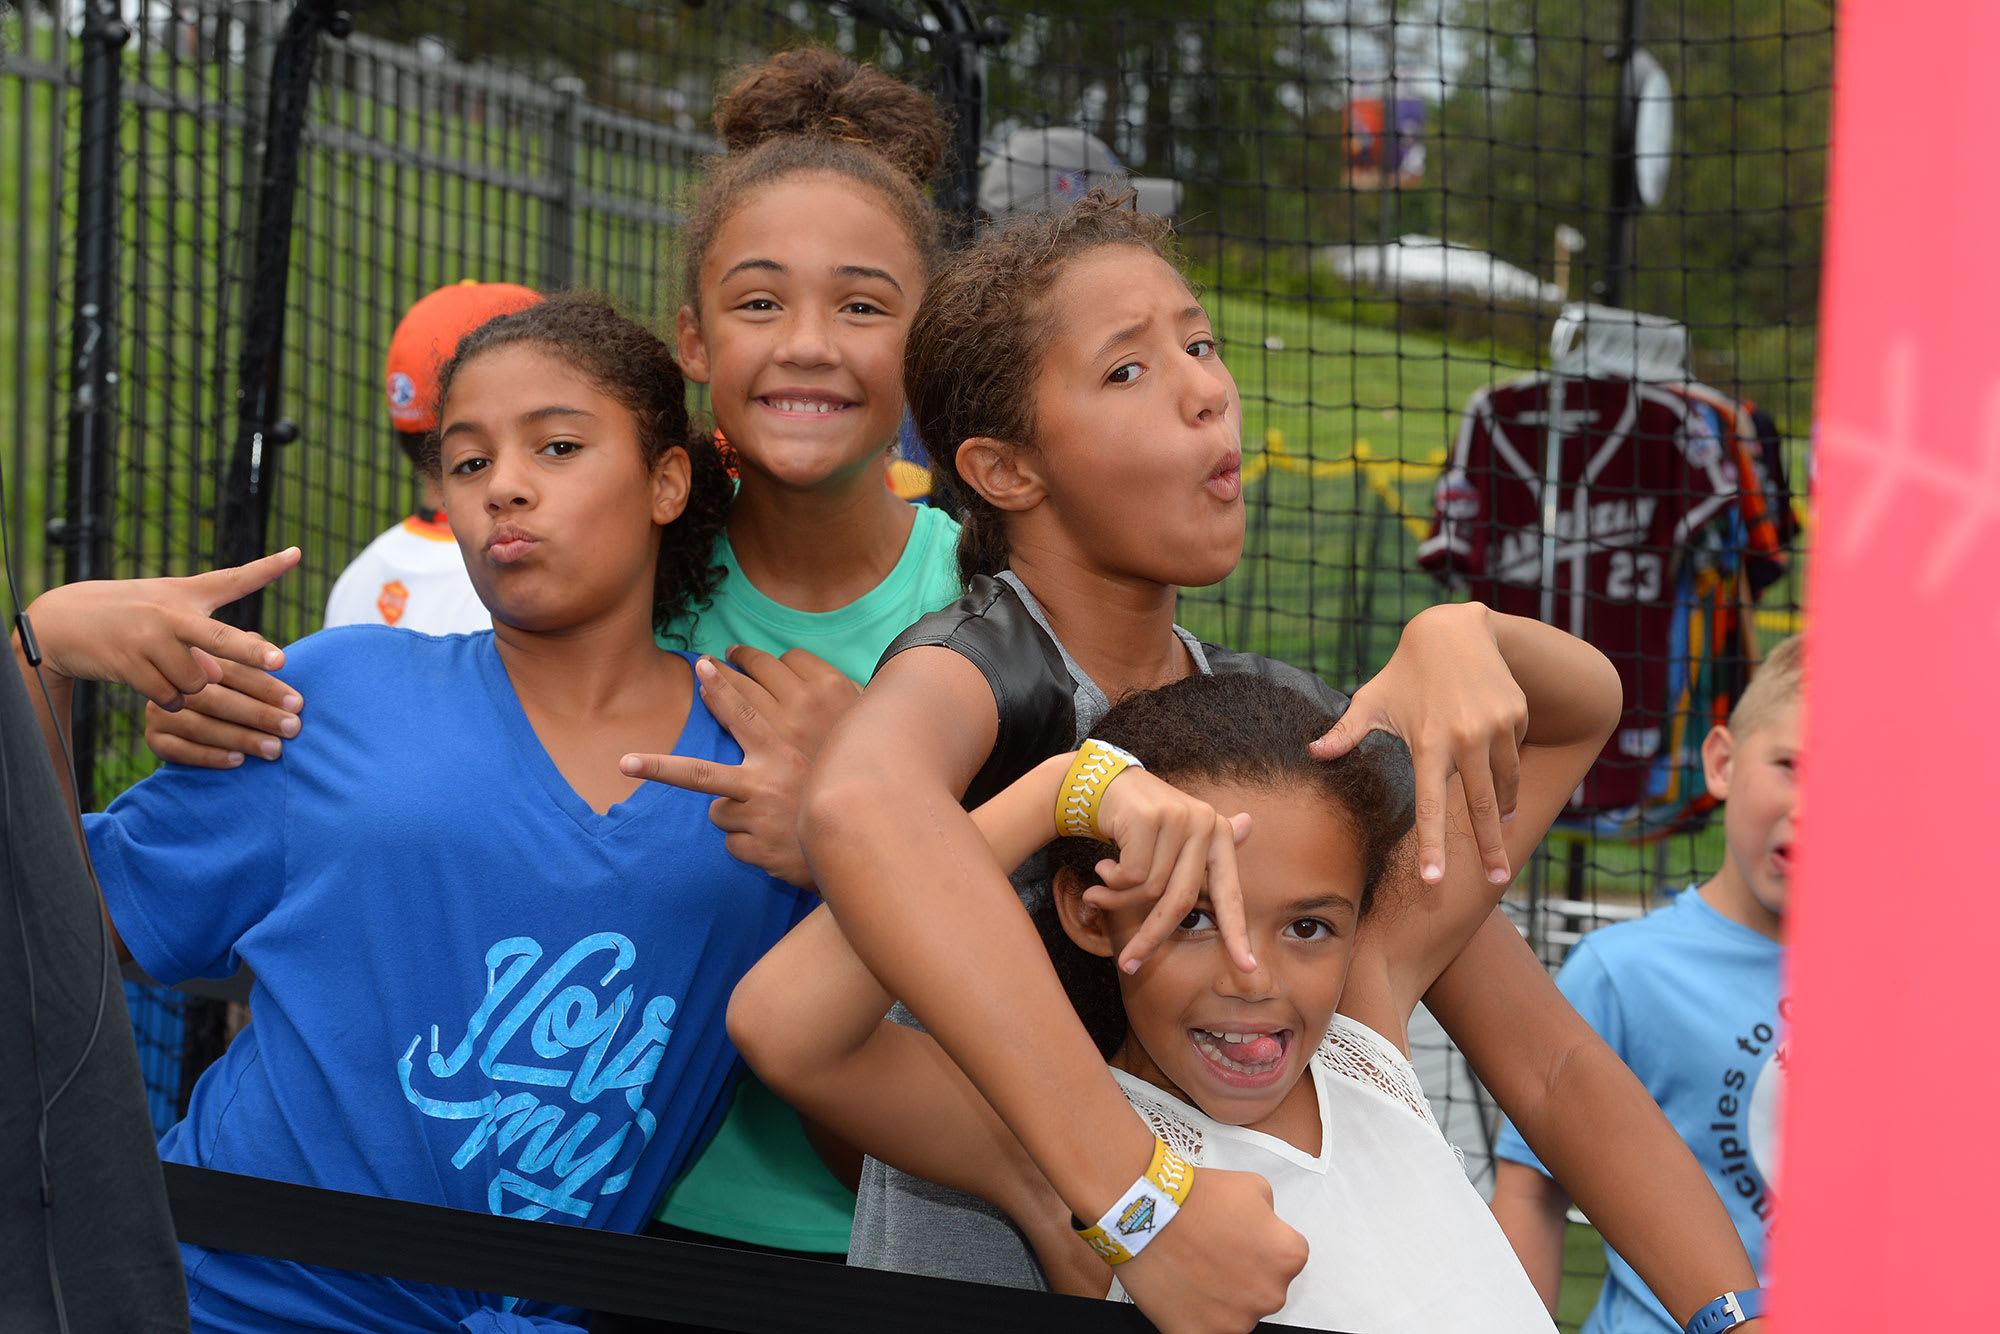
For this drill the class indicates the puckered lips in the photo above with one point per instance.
(1225, 480)
(509, 543)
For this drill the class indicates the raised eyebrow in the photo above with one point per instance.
(863, 271)
(767, 265)
(1125, 335)
(1195, 315)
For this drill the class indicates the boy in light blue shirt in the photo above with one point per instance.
(1691, 996)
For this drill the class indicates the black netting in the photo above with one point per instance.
(1386, 204)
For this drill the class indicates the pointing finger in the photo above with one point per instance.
(1432, 772)
(219, 587)
(1485, 812)
(1225, 891)
(717, 780)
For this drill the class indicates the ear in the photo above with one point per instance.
(689, 348)
(1085, 925)
(1006, 475)
(672, 481)
(1718, 752)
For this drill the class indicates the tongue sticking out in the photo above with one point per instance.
(1253, 1049)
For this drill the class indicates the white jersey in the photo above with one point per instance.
(411, 576)
(1400, 1241)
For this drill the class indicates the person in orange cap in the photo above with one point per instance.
(412, 575)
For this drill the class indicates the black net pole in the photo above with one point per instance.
(246, 498)
(1624, 159)
(961, 74)
(85, 529)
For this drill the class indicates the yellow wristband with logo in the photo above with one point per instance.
(1096, 764)
(1143, 1210)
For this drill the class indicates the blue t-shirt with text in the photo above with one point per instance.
(472, 989)
(1693, 1002)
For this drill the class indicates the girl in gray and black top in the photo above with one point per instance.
(1069, 382)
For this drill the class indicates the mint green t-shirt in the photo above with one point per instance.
(759, 1180)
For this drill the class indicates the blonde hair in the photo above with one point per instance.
(1774, 686)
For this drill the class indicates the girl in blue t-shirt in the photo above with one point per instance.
(807, 249)
(1068, 383)
(491, 961)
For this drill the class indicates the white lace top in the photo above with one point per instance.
(1401, 1243)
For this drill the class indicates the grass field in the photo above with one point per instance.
(1583, 1275)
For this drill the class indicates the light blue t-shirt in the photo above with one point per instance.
(1693, 1002)
(472, 989)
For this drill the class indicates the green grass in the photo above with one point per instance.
(29, 258)
(1583, 1275)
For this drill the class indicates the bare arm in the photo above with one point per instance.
(1534, 1213)
(887, 1089)
(891, 1091)
(154, 635)
(1590, 1121)
(923, 901)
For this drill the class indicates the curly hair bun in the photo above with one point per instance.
(816, 92)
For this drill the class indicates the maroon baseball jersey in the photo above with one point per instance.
(1631, 475)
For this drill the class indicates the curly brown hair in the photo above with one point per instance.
(1246, 731)
(812, 110)
(976, 345)
(630, 363)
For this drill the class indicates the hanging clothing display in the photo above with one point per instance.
(1641, 516)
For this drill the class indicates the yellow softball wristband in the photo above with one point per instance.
(1143, 1210)
(1096, 764)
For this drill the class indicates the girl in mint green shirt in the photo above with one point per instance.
(807, 252)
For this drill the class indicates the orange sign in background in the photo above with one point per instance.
(1890, 1191)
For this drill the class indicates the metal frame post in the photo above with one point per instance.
(246, 498)
(960, 46)
(85, 530)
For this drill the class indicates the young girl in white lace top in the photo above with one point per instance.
(1236, 1071)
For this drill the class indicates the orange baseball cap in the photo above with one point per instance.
(429, 334)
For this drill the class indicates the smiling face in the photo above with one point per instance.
(1237, 1044)
(1138, 428)
(548, 491)
(806, 294)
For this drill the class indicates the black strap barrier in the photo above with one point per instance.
(707, 1287)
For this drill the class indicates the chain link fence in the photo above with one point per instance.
(217, 209)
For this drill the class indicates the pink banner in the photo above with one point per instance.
(1890, 1185)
